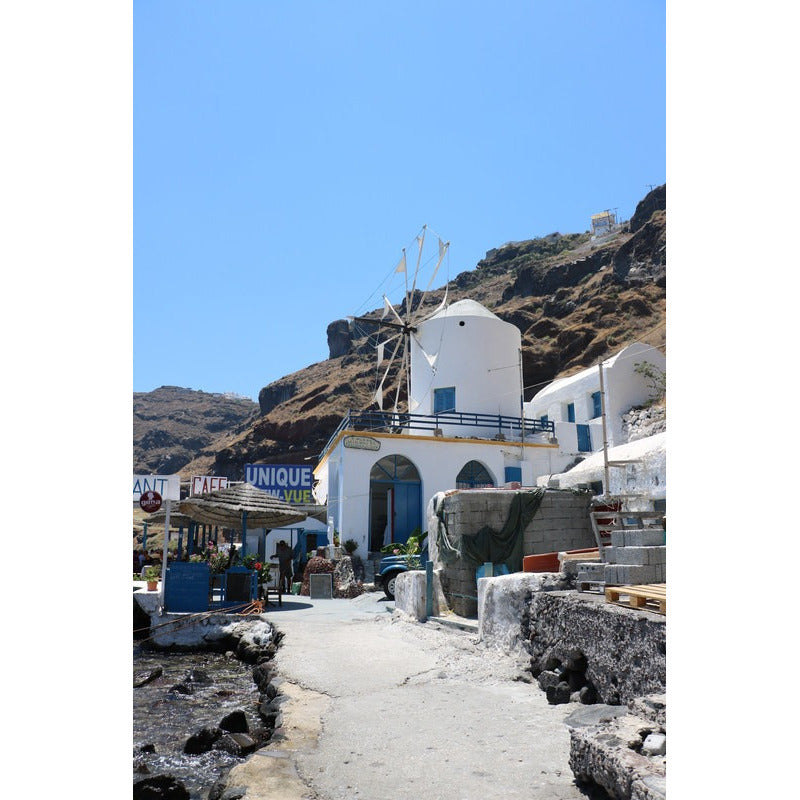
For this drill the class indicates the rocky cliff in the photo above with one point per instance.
(575, 298)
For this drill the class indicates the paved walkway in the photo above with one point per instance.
(379, 706)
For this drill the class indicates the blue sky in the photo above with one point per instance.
(284, 153)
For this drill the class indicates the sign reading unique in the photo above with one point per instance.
(289, 482)
(208, 483)
(168, 486)
(362, 443)
(150, 502)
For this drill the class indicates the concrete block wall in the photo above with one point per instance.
(561, 523)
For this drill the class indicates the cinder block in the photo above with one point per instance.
(642, 537)
(629, 574)
(639, 556)
(592, 571)
(618, 538)
(611, 555)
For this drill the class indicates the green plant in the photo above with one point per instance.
(152, 574)
(350, 546)
(410, 548)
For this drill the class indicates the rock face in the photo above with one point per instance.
(624, 650)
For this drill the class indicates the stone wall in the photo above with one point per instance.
(560, 523)
(623, 650)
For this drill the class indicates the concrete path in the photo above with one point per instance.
(379, 706)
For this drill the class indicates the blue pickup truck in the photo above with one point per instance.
(392, 566)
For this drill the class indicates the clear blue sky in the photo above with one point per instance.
(284, 153)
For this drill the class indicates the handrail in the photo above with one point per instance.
(396, 423)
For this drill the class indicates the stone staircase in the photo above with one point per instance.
(635, 556)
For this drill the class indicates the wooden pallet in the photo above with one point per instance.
(651, 597)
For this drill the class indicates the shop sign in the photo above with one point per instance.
(288, 482)
(201, 484)
(362, 443)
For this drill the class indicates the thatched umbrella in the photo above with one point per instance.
(239, 506)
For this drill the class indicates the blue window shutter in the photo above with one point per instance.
(598, 410)
(444, 400)
(584, 438)
(514, 474)
(571, 412)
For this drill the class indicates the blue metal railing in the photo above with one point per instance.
(389, 422)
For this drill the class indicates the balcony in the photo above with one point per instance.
(469, 425)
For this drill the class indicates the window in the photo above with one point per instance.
(444, 400)
(596, 404)
(570, 412)
(473, 475)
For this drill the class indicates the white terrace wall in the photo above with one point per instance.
(561, 523)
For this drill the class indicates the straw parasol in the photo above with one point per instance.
(239, 506)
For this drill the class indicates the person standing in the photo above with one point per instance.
(284, 555)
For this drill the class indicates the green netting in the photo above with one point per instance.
(498, 547)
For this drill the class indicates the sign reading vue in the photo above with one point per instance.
(289, 482)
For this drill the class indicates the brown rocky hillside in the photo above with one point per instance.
(575, 300)
(172, 426)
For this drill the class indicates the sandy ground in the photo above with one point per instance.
(381, 706)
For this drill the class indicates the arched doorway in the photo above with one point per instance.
(474, 475)
(395, 501)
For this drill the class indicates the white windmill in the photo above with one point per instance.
(406, 326)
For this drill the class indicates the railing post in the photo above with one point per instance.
(428, 589)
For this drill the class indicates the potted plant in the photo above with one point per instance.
(151, 575)
(350, 546)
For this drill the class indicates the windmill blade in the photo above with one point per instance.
(380, 347)
(431, 359)
(441, 305)
(379, 392)
(403, 364)
(387, 306)
(443, 247)
(442, 252)
(421, 240)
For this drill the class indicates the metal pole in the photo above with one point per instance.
(428, 589)
(164, 557)
(144, 537)
(606, 487)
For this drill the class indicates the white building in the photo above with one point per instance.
(574, 404)
(465, 430)
(637, 472)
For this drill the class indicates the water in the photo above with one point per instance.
(166, 718)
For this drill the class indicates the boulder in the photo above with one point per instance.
(202, 741)
(235, 722)
(160, 787)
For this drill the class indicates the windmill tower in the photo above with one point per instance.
(478, 369)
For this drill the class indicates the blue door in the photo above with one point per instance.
(584, 438)
(407, 510)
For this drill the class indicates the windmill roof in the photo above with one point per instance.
(465, 308)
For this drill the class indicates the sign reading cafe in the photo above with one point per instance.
(288, 482)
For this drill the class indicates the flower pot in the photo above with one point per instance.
(152, 586)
